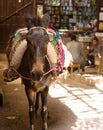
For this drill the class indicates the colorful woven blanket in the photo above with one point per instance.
(56, 40)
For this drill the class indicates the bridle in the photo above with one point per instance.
(27, 78)
(52, 69)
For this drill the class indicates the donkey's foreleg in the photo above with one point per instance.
(32, 116)
(44, 113)
(31, 95)
(37, 103)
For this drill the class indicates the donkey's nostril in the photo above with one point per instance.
(36, 76)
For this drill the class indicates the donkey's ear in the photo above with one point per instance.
(36, 20)
(46, 20)
(27, 16)
(28, 20)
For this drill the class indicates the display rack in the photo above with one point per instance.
(100, 16)
(66, 13)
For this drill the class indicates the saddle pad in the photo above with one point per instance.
(18, 47)
(17, 53)
(52, 53)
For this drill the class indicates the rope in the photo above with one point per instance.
(37, 28)
(20, 74)
(27, 78)
(52, 69)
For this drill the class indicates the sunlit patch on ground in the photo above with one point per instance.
(86, 103)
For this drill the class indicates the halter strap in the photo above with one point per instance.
(37, 27)
(27, 78)
(15, 70)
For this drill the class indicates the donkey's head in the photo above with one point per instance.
(38, 38)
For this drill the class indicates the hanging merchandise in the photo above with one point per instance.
(19, 1)
(88, 3)
(93, 2)
(64, 3)
(79, 3)
(56, 2)
(85, 2)
(40, 10)
(70, 3)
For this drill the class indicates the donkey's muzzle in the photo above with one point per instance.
(36, 76)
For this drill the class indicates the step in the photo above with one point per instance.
(86, 78)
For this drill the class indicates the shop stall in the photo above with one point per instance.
(69, 16)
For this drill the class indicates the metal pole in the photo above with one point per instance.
(34, 6)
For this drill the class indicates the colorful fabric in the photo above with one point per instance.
(55, 38)
(16, 48)
(52, 54)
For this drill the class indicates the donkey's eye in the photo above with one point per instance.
(34, 46)
(44, 52)
(44, 48)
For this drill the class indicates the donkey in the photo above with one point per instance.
(36, 73)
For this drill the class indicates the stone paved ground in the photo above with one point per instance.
(72, 105)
